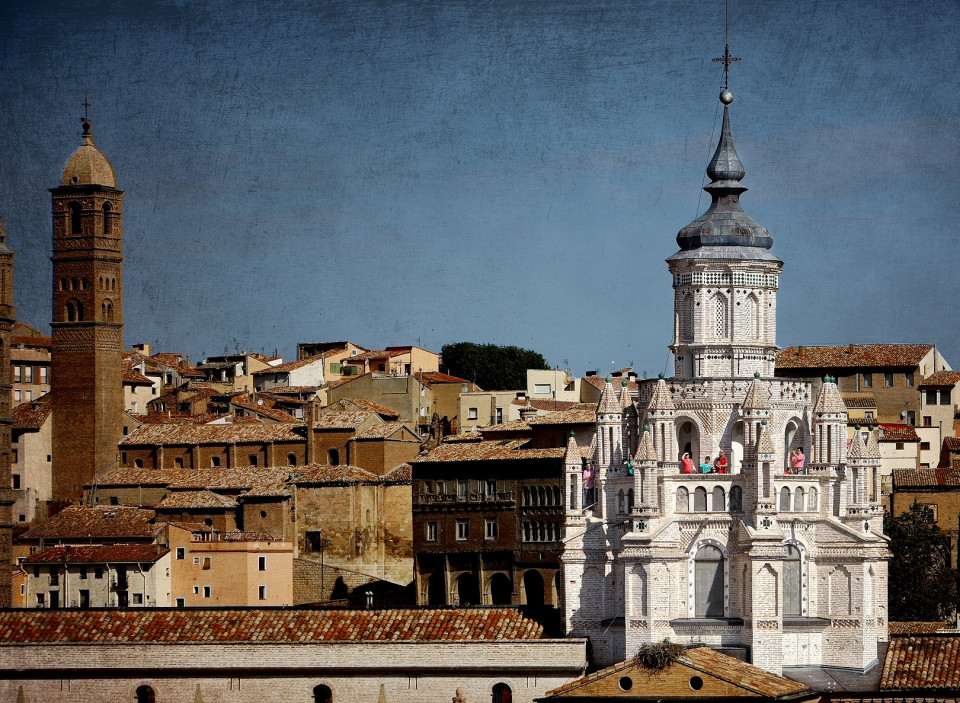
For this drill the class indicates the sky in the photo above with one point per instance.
(501, 171)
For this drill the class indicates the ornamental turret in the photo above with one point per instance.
(724, 279)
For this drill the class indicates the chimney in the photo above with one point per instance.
(526, 412)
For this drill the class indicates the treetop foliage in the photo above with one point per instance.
(922, 586)
(491, 366)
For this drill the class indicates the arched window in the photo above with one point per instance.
(700, 500)
(436, 590)
(501, 592)
(708, 582)
(798, 499)
(685, 322)
(683, 499)
(74, 310)
(719, 499)
(84, 283)
(333, 457)
(752, 317)
(533, 496)
(785, 499)
(533, 589)
(75, 223)
(502, 694)
(322, 694)
(145, 694)
(468, 590)
(556, 496)
(812, 497)
(64, 284)
(101, 283)
(107, 220)
(621, 502)
(291, 459)
(540, 495)
(630, 501)
(74, 283)
(573, 493)
(736, 499)
(792, 583)
(526, 495)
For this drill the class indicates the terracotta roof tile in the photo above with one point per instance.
(599, 382)
(942, 379)
(508, 449)
(545, 404)
(346, 420)
(916, 627)
(31, 416)
(374, 354)
(898, 433)
(80, 522)
(399, 474)
(922, 662)
(566, 417)
(342, 475)
(362, 404)
(510, 426)
(859, 402)
(227, 433)
(86, 554)
(386, 430)
(852, 355)
(290, 365)
(926, 478)
(286, 625)
(431, 377)
(251, 480)
(265, 410)
(195, 499)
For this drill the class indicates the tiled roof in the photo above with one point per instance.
(508, 449)
(951, 444)
(177, 626)
(922, 662)
(177, 361)
(347, 420)
(372, 354)
(250, 480)
(385, 430)
(80, 522)
(898, 433)
(168, 418)
(942, 378)
(926, 478)
(916, 627)
(511, 426)
(265, 410)
(430, 377)
(852, 355)
(342, 381)
(362, 404)
(713, 663)
(859, 402)
(399, 474)
(195, 499)
(290, 365)
(31, 416)
(290, 390)
(566, 417)
(545, 403)
(228, 433)
(86, 554)
(28, 353)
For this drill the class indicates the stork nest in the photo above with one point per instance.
(659, 656)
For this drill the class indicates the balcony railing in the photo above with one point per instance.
(450, 499)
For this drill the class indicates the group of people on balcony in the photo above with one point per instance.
(719, 466)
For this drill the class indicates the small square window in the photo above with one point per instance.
(433, 531)
(888, 380)
(181, 602)
(261, 563)
(945, 397)
(98, 573)
(925, 446)
(491, 528)
(542, 389)
(16, 480)
(911, 418)
(83, 573)
(868, 414)
(196, 590)
(206, 591)
(196, 560)
(899, 445)
(867, 380)
(928, 421)
(491, 488)
(206, 562)
(908, 379)
(181, 552)
(463, 529)
(931, 397)
(254, 459)
(262, 592)
(472, 414)
(138, 599)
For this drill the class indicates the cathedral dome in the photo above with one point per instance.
(725, 224)
(88, 165)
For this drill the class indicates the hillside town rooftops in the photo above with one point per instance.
(503, 450)
(229, 625)
(98, 553)
(941, 379)
(930, 662)
(898, 433)
(227, 433)
(852, 355)
(102, 522)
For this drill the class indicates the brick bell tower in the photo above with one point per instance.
(7, 496)
(86, 367)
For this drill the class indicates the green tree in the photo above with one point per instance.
(922, 586)
(490, 366)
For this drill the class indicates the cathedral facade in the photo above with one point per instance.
(781, 564)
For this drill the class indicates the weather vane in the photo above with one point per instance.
(726, 97)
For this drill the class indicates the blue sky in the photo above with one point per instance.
(492, 171)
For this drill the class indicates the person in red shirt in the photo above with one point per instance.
(686, 464)
(720, 464)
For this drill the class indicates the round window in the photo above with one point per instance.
(263, 513)
(696, 683)
(626, 683)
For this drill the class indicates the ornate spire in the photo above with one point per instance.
(609, 402)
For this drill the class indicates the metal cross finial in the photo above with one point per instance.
(86, 108)
(726, 59)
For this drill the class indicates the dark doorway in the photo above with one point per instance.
(533, 588)
(501, 591)
(468, 590)
(436, 590)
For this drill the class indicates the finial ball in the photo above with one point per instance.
(726, 97)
